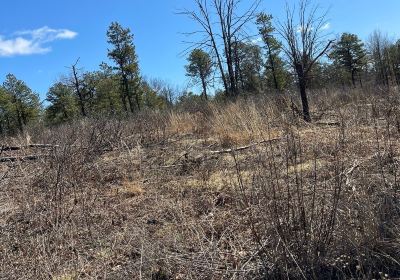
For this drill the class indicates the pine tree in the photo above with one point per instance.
(23, 106)
(350, 54)
(275, 67)
(200, 68)
(248, 67)
(63, 104)
(106, 99)
(125, 58)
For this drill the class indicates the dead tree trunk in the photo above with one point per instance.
(78, 89)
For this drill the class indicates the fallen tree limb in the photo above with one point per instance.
(39, 146)
(43, 146)
(212, 155)
(244, 147)
(328, 123)
(22, 158)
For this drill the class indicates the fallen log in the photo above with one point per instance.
(211, 155)
(238, 149)
(22, 158)
(328, 123)
(43, 146)
(39, 146)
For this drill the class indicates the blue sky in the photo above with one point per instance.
(38, 39)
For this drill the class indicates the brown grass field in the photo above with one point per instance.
(242, 190)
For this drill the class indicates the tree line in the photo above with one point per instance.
(297, 52)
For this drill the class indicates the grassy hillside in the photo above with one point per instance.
(243, 190)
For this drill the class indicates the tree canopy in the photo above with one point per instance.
(349, 52)
(19, 105)
(199, 68)
(228, 60)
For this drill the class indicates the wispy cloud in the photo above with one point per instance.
(35, 41)
(326, 26)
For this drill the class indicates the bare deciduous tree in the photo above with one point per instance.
(379, 45)
(305, 43)
(76, 83)
(164, 89)
(221, 32)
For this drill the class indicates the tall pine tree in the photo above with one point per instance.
(124, 56)
(349, 52)
(274, 66)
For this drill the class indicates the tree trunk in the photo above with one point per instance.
(231, 69)
(126, 93)
(20, 124)
(131, 105)
(238, 70)
(304, 101)
(229, 63)
(204, 84)
(78, 91)
(123, 101)
(302, 77)
(272, 62)
(19, 117)
(111, 104)
(227, 40)
(137, 98)
(219, 60)
(221, 69)
(353, 78)
(232, 81)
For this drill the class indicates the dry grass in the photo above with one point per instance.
(128, 189)
(149, 198)
(236, 124)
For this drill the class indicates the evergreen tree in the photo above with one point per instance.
(391, 62)
(274, 66)
(124, 56)
(200, 69)
(106, 94)
(350, 54)
(63, 104)
(5, 111)
(22, 104)
(248, 67)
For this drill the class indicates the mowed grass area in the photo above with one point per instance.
(242, 190)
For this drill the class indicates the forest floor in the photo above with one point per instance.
(236, 192)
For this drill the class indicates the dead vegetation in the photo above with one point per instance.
(244, 190)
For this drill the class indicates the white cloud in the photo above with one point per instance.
(33, 41)
(326, 26)
(66, 34)
(257, 40)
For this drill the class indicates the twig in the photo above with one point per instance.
(350, 172)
